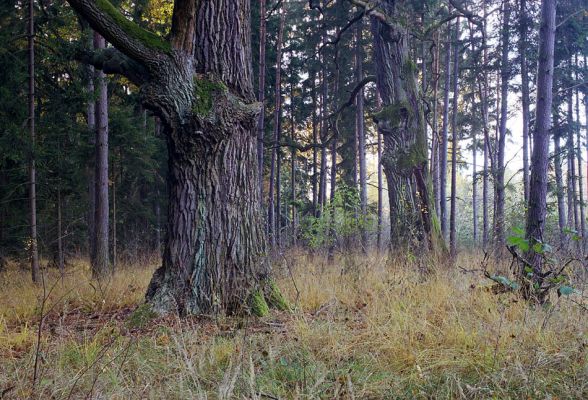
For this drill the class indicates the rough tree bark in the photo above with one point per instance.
(401, 122)
(199, 84)
(537, 210)
(100, 256)
(573, 220)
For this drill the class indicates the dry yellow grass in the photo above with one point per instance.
(362, 328)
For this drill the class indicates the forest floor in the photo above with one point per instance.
(362, 327)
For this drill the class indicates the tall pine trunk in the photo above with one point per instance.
(445, 136)
(261, 95)
(500, 189)
(454, 142)
(100, 256)
(559, 187)
(537, 210)
(360, 132)
(525, 100)
(273, 205)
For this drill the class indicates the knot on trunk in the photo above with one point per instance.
(216, 108)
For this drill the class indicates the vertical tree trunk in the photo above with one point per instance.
(537, 211)
(91, 166)
(454, 141)
(100, 257)
(60, 255)
(580, 169)
(561, 213)
(315, 143)
(272, 220)
(485, 120)
(361, 133)
(401, 121)
(445, 135)
(32, 168)
(573, 220)
(324, 136)
(114, 240)
(435, 148)
(501, 143)
(293, 216)
(380, 189)
(261, 94)
(523, 29)
(200, 85)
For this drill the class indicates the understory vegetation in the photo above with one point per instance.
(361, 326)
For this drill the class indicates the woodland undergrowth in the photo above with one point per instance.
(361, 327)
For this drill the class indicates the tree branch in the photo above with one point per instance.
(132, 40)
(112, 61)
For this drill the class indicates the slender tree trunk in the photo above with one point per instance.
(580, 169)
(561, 213)
(380, 190)
(445, 136)
(537, 211)
(573, 222)
(272, 220)
(500, 167)
(435, 148)
(523, 29)
(293, 168)
(114, 246)
(91, 166)
(32, 168)
(324, 133)
(100, 259)
(454, 141)
(60, 255)
(315, 142)
(485, 120)
(261, 94)
(361, 134)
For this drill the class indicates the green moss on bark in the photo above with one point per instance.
(149, 39)
(275, 299)
(393, 114)
(258, 305)
(204, 91)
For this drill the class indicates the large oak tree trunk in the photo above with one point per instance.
(199, 84)
(214, 240)
(401, 122)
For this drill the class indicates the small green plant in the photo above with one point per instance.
(539, 272)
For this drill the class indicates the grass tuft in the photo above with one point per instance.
(361, 327)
